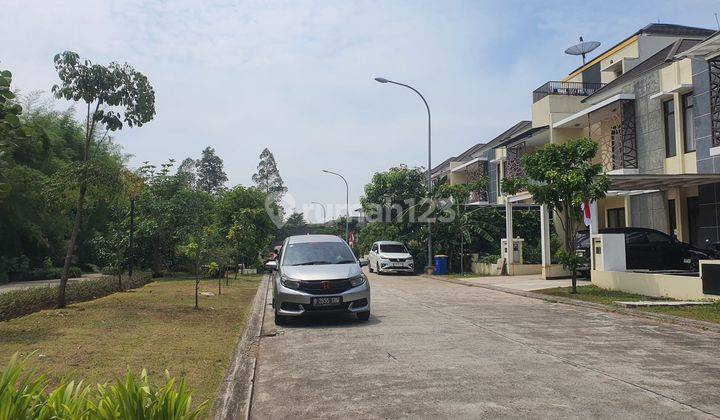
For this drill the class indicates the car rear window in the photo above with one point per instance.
(393, 248)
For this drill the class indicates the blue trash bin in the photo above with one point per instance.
(441, 265)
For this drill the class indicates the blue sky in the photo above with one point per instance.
(297, 76)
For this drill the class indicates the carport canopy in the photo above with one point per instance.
(641, 184)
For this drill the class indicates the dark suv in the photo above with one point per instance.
(648, 249)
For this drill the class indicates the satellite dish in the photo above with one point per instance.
(582, 48)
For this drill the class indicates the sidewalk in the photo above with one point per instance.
(20, 285)
(526, 283)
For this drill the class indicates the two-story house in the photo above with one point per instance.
(652, 102)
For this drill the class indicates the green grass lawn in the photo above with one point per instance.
(708, 313)
(154, 327)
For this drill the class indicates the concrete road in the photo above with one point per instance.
(439, 350)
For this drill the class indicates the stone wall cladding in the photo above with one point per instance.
(650, 211)
(708, 195)
(648, 114)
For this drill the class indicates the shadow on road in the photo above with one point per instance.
(330, 320)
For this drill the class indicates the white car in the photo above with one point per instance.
(390, 257)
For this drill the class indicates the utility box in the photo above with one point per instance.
(607, 252)
(710, 276)
(517, 250)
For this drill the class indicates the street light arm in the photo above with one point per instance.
(337, 174)
(347, 202)
(414, 90)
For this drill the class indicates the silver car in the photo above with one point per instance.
(318, 274)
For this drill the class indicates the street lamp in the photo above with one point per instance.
(321, 206)
(429, 167)
(347, 202)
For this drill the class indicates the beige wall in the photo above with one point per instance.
(655, 285)
(553, 108)
(675, 75)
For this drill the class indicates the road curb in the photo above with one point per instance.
(233, 401)
(671, 319)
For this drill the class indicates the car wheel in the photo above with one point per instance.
(280, 319)
(363, 316)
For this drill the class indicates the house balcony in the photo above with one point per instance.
(565, 89)
(471, 171)
(612, 124)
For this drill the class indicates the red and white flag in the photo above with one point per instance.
(585, 207)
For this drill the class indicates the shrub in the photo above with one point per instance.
(490, 259)
(23, 395)
(44, 274)
(17, 303)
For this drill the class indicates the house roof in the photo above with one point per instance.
(445, 165)
(653, 62)
(657, 29)
(708, 48)
(515, 129)
(523, 135)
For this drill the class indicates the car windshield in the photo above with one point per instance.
(317, 253)
(393, 249)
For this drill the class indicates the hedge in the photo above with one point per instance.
(43, 274)
(16, 303)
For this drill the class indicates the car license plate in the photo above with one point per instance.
(326, 301)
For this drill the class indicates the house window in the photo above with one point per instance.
(616, 217)
(688, 123)
(669, 114)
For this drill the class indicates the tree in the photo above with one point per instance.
(457, 227)
(397, 197)
(210, 175)
(114, 95)
(295, 224)
(268, 177)
(562, 176)
(10, 127)
(168, 212)
(188, 168)
(391, 194)
(241, 218)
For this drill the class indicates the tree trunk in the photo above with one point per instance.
(131, 255)
(89, 128)
(61, 302)
(156, 257)
(197, 281)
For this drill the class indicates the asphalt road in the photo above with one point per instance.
(439, 350)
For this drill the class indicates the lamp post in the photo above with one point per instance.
(429, 164)
(321, 206)
(347, 202)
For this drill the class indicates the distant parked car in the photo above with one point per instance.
(390, 257)
(648, 249)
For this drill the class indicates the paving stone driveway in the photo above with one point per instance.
(439, 350)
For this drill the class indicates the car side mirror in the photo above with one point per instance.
(271, 265)
(363, 262)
